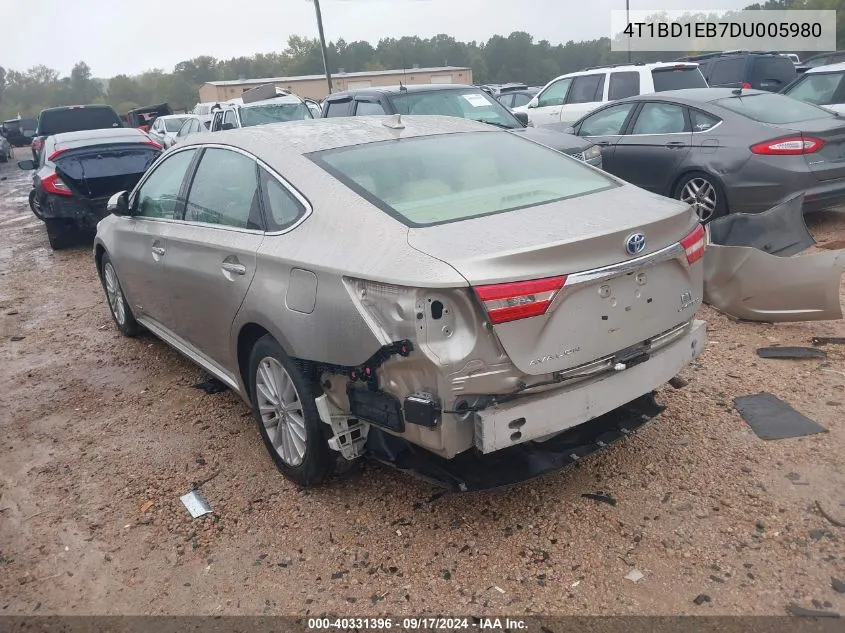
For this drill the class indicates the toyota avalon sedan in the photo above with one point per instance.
(428, 290)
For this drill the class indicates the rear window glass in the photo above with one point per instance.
(465, 104)
(677, 78)
(173, 125)
(819, 88)
(274, 113)
(451, 177)
(773, 108)
(727, 71)
(772, 72)
(76, 120)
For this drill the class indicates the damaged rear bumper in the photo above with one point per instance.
(84, 213)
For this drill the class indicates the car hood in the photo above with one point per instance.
(566, 143)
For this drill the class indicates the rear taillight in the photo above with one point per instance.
(746, 85)
(694, 244)
(519, 299)
(789, 146)
(54, 184)
(152, 143)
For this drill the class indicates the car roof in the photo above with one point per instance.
(281, 99)
(278, 143)
(336, 96)
(99, 106)
(694, 95)
(829, 68)
(96, 137)
(174, 116)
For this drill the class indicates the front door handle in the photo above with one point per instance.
(158, 250)
(603, 143)
(235, 269)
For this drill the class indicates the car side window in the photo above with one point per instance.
(727, 71)
(520, 99)
(229, 117)
(555, 94)
(586, 89)
(366, 108)
(218, 121)
(660, 118)
(702, 122)
(609, 121)
(505, 100)
(183, 131)
(281, 208)
(159, 196)
(225, 191)
(339, 108)
(623, 85)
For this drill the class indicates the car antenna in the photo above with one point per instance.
(394, 122)
(401, 85)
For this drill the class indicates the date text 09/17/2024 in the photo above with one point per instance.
(416, 624)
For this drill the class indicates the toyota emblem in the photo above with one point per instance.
(635, 243)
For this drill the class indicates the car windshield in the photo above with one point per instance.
(466, 104)
(76, 120)
(173, 125)
(274, 113)
(677, 78)
(773, 108)
(819, 88)
(450, 177)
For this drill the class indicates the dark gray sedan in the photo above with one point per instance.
(723, 150)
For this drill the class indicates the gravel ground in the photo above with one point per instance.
(101, 435)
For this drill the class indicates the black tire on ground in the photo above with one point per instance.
(708, 189)
(318, 460)
(123, 319)
(33, 206)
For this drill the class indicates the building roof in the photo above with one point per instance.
(367, 73)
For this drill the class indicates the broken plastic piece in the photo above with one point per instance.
(195, 504)
(838, 585)
(832, 340)
(794, 609)
(600, 497)
(773, 419)
(635, 575)
(790, 352)
(702, 598)
(749, 272)
(211, 386)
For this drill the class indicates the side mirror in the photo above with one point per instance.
(227, 126)
(118, 204)
(533, 103)
(570, 130)
(26, 165)
(522, 117)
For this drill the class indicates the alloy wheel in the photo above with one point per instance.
(700, 194)
(281, 411)
(114, 294)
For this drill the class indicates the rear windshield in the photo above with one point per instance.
(819, 88)
(772, 72)
(465, 104)
(446, 178)
(773, 108)
(677, 78)
(274, 113)
(104, 161)
(173, 125)
(76, 120)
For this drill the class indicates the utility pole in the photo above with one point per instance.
(627, 20)
(323, 44)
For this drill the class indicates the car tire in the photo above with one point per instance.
(34, 205)
(284, 408)
(704, 193)
(119, 308)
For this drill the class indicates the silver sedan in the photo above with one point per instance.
(407, 286)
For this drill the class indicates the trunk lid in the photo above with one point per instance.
(829, 162)
(594, 315)
(98, 172)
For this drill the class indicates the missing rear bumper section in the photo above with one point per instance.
(543, 415)
(473, 471)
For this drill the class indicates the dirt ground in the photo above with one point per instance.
(101, 435)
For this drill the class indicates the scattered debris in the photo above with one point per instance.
(838, 585)
(790, 352)
(716, 578)
(195, 503)
(702, 598)
(11, 313)
(499, 589)
(146, 506)
(575, 584)
(199, 484)
(829, 340)
(635, 575)
(835, 245)
(817, 535)
(17, 337)
(678, 383)
(827, 516)
(793, 476)
(598, 496)
(773, 419)
(683, 442)
(794, 609)
(211, 386)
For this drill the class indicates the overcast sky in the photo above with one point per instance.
(116, 37)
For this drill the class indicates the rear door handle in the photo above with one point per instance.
(158, 250)
(235, 269)
(603, 143)
(675, 144)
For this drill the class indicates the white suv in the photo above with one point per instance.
(567, 98)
